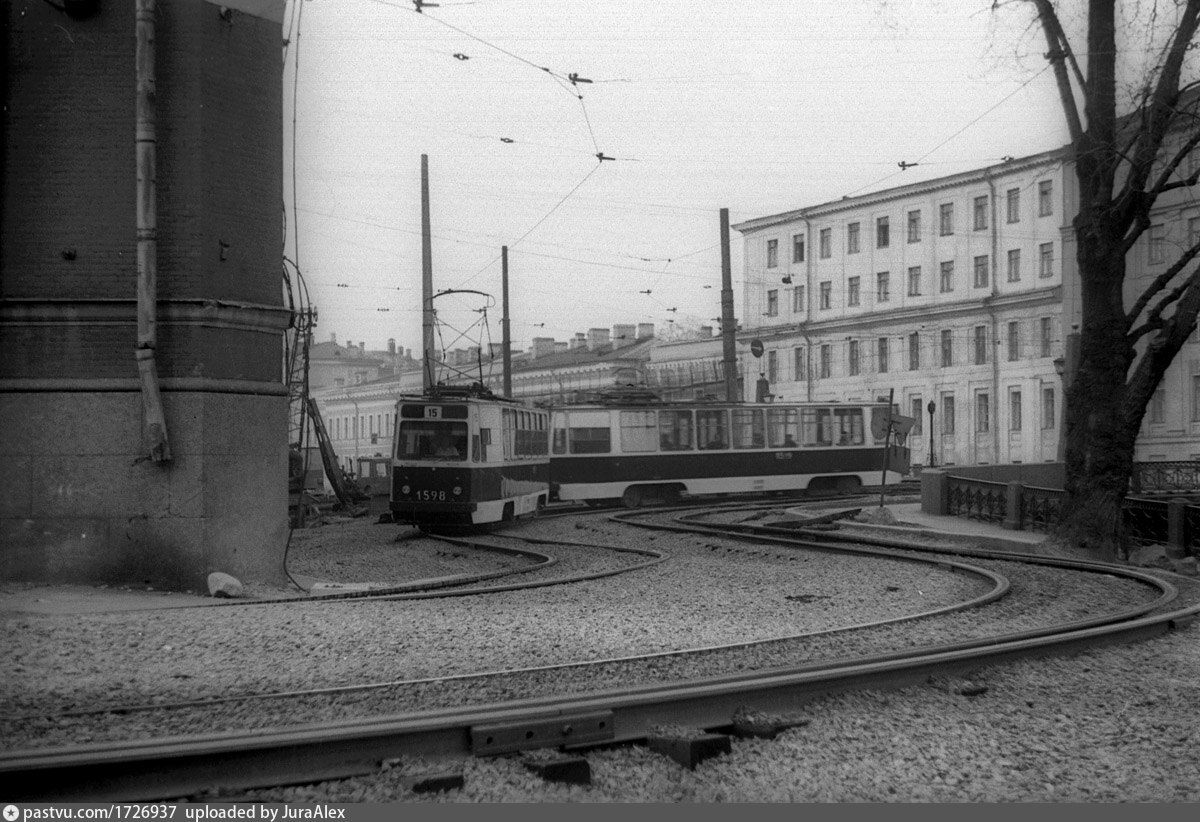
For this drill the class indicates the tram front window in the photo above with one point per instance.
(426, 440)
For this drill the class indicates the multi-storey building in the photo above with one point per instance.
(961, 296)
(946, 292)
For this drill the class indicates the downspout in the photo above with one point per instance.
(994, 273)
(154, 423)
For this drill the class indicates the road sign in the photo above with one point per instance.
(756, 348)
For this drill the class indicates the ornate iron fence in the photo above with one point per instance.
(1040, 508)
(1145, 520)
(977, 499)
(1165, 477)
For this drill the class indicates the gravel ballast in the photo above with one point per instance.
(1105, 725)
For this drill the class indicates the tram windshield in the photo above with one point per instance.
(433, 440)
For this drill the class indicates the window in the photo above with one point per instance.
(1014, 205)
(589, 440)
(826, 294)
(772, 366)
(914, 351)
(1014, 265)
(798, 299)
(800, 363)
(914, 281)
(914, 226)
(773, 303)
(852, 290)
(783, 426)
(797, 248)
(918, 414)
(1049, 419)
(712, 429)
(639, 431)
(882, 357)
(1196, 398)
(1156, 412)
(1014, 409)
(983, 413)
(1046, 260)
(826, 240)
(772, 253)
(946, 283)
(816, 426)
(675, 430)
(981, 213)
(826, 361)
(852, 358)
(981, 345)
(1014, 341)
(981, 271)
(1045, 198)
(947, 415)
(1047, 335)
(882, 238)
(848, 423)
(852, 238)
(946, 219)
(882, 286)
(947, 349)
(1156, 243)
(748, 430)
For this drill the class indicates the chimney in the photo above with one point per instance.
(645, 331)
(392, 347)
(624, 335)
(596, 337)
(706, 332)
(362, 348)
(333, 338)
(578, 341)
(541, 347)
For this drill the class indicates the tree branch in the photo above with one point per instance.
(1059, 54)
(1162, 281)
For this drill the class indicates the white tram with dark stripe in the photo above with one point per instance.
(642, 451)
(467, 457)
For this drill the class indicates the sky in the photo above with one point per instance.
(758, 107)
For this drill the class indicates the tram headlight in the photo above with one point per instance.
(457, 491)
(406, 490)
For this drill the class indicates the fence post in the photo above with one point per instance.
(1176, 529)
(1012, 506)
(935, 492)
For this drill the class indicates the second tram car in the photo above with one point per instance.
(466, 457)
(641, 451)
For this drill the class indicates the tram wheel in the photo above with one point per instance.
(632, 498)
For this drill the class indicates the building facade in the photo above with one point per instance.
(947, 292)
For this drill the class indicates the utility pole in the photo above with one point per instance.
(504, 332)
(426, 282)
(728, 323)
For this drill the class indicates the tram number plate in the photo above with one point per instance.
(782, 455)
(429, 496)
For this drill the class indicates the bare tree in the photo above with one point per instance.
(1125, 164)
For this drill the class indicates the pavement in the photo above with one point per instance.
(22, 597)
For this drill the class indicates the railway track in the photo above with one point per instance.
(595, 698)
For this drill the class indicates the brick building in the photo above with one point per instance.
(82, 498)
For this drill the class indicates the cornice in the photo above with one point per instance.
(206, 312)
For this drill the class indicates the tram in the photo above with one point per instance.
(648, 450)
(464, 456)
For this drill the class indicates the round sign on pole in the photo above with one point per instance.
(756, 348)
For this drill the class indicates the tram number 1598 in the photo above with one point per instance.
(430, 496)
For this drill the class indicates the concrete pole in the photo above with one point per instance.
(426, 282)
(505, 336)
(728, 323)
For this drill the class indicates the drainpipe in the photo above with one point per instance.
(994, 273)
(154, 423)
(808, 300)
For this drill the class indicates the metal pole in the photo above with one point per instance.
(728, 324)
(505, 339)
(887, 445)
(426, 282)
(931, 408)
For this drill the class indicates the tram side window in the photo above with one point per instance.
(675, 430)
(782, 427)
(589, 440)
(748, 429)
(712, 429)
(560, 441)
(639, 431)
(816, 426)
(848, 422)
